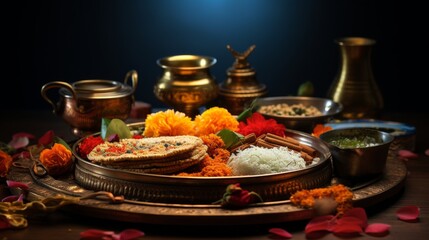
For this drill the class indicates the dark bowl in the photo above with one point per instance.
(351, 161)
(327, 107)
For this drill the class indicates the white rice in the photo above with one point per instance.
(258, 160)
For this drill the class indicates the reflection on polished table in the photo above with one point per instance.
(68, 225)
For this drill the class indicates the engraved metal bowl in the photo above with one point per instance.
(199, 190)
(328, 107)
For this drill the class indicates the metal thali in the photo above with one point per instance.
(197, 190)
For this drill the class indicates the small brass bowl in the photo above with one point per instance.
(364, 161)
(327, 107)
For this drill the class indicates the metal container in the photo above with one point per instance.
(358, 163)
(186, 82)
(355, 86)
(193, 190)
(84, 103)
(327, 107)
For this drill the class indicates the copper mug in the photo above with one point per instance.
(84, 103)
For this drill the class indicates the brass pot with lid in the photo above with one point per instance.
(241, 87)
(84, 103)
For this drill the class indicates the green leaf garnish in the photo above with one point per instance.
(61, 141)
(229, 137)
(247, 112)
(104, 124)
(117, 126)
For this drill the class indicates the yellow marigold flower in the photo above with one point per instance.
(168, 123)
(5, 163)
(213, 120)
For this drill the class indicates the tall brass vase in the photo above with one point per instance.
(354, 86)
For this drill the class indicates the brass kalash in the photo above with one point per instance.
(241, 87)
(186, 82)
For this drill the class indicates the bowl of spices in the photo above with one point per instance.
(297, 112)
(358, 153)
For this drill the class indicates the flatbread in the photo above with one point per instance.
(143, 149)
(197, 155)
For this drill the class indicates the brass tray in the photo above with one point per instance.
(365, 195)
(204, 190)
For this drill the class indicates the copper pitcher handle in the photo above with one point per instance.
(56, 84)
(134, 78)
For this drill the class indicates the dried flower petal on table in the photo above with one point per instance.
(168, 123)
(213, 120)
(279, 232)
(20, 140)
(377, 229)
(407, 154)
(408, 213)
(47, 138)
(127, 234)
(258, 125)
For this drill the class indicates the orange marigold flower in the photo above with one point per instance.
(213, 120)
(168, 123)
(319, 129)
(5, 163)
(340, 193)
(56, 160)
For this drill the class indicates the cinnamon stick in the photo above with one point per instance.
(283, 143)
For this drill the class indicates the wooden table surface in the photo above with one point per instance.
(66, 225)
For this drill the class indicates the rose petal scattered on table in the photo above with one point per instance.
(407, 154)
(377, 229)
(95, 234)
(408, 213)
(19, 142)
(321, 223)
(129, 234)
(359, 214)
(47, 138)
(279, 232)
(11, 198)
(14, 184)
(347, 229)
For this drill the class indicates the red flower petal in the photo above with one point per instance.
(11, 198)
(407, 154)
(95, 233)
(4, 223)
(377, 229)
(129, 234)
(279, 232)
(408, 213)
(357, 215)
(427, 152)
(14, 184)
(47, 138)
(321, 223)
(347, 229)
(347, 220)
(19, 142)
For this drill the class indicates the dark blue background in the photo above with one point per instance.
(75, 40)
